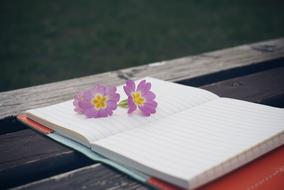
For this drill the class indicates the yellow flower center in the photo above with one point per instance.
(99, 101)
(137, 98)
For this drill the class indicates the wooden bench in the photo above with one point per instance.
(28, 160)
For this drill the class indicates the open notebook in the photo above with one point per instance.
(194, 137)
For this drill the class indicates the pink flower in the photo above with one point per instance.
(140, 97)
(99, 101)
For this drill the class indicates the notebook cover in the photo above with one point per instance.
(264, 173)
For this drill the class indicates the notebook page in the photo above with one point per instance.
(182, 148)
(171, 98)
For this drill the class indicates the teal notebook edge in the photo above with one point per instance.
(141, 177)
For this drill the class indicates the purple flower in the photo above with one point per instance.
(140, 97)
(99, 101)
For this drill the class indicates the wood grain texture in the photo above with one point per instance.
(16, 101)
(96, 177)
(264, 87)
(27, 156)
(257, 87)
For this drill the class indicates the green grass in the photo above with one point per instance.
(45, 41)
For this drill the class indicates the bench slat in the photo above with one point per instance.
(251, 88)
(16, 101)
(265, 87)
(96, 176)
(27, 156)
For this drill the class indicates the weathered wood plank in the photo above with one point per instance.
(257, 87)
(92, 177)
(27, 156)
(263, 87)
(16, 101)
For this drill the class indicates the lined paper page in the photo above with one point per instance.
(171, 98)
(182, 147)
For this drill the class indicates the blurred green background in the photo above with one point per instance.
(44, 41)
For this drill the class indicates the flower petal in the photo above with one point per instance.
(86, 100)
(76, 102)
(103, 112)
(114, 97)
(88, 95)
(131, 106)
(144, 87)
(148, 108)
(110, 90)
(149, 96)
(129, 87)
(112, 105)
(145, 110)
(98, 89)
(151, 104)
(91, 112)
(141, 85)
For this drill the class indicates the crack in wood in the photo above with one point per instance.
(267, 48)
(122, 75)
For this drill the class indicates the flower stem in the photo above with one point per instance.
(123, 103)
